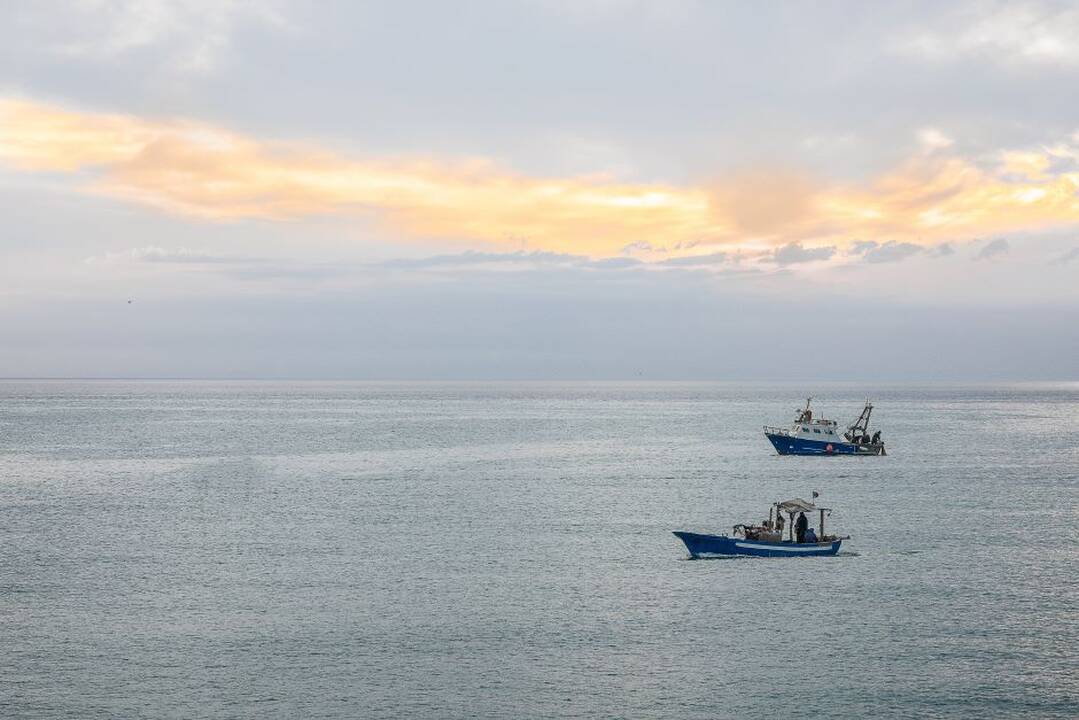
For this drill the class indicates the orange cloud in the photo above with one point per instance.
(200, 170)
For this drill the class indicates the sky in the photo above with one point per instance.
(597, 189)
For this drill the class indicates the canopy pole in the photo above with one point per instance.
(821, 524)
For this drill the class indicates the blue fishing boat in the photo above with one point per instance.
(810, 435)
(766, 539)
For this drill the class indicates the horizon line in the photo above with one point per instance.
(212, 378)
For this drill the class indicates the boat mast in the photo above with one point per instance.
(862, 423)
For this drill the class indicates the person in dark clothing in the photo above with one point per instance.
(800, 526)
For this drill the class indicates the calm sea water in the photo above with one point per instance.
(339, 550)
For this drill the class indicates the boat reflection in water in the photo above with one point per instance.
(766, 539)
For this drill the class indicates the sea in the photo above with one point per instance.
(242, 549)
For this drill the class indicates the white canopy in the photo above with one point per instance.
(796, 505)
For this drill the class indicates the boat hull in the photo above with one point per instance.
(721, 545)
(790, 445)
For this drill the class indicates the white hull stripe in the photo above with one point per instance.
(780, 548)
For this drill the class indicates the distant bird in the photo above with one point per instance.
(816, 494)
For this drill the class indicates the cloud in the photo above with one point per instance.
(639, 246)
(516, 259)
(932, 139)
(1013, 33)
(890, 251)
(943, 250)
(1067, 257)
(471, 257)
(198, 170)
(1026, 165)
(614, 263)
(764, 204)
(994, 249)
(258, 267)
(202, 171)
(794, 253)
(716, 258)
(190, 35)
(179, 256)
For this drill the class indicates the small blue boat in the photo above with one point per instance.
(766, 539)
(810, 435)
(718, 545)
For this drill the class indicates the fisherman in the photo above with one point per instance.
(810, 536)
(876, 437)
(800, 526)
